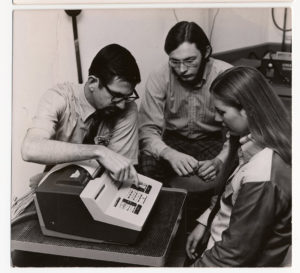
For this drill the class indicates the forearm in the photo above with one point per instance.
(151, 142)
(46, 151)
(165, 153)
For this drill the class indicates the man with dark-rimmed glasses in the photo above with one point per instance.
(180, 141)
(95, 120)
(116, 97)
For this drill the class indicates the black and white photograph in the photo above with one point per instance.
(152, 137)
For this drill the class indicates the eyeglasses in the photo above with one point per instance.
(117, 97)
(187, 63)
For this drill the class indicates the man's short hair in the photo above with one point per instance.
(187, 32)
(115, 61)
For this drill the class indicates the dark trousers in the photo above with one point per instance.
(201, 149)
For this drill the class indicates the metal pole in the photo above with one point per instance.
(73, 14)
(284, 31)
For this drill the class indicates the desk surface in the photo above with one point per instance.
(282, 90)
(151, 248)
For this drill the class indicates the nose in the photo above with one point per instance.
(121, 105)
(218, 117)
(182, 68)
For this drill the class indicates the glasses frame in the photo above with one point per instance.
(118, 98)
(186, 63)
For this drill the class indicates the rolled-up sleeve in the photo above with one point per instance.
(151, 115)
(51, 106)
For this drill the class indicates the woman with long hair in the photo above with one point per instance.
(249, 224)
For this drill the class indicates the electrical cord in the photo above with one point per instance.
(275, 23)
(213, 24)
(174, 12)
(24, 217)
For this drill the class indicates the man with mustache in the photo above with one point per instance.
(180, 141)
(95, 120)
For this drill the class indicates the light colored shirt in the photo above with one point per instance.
(169, 105)
(254, 165)
(64, 112)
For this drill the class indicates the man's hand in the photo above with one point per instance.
(181, 163)
(119, 167)
(208, 169)
(193, 240)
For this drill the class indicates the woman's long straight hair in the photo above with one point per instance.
(269, 124)
(230, 164)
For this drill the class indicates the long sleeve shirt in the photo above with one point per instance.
(253, 225)
(169, 105)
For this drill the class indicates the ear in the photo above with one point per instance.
(207, 52)
(93, 82)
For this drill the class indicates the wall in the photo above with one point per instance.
(43, 52)
(245, 27)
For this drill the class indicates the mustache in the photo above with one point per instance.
(111, 111)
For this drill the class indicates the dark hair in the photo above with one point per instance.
(269, 123)
(187, 32)
(114, 60)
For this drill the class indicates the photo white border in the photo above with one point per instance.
(5, 148)
(72, 2)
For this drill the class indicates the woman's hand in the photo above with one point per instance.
(193, 240)
(208, 169)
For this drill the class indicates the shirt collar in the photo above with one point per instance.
(248, 149)
(207, 69)
(86, 108)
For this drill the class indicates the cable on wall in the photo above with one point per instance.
(284, 29)
(275, 22)
(213, 24)
(175, 15)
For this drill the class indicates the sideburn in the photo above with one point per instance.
(201, 69)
